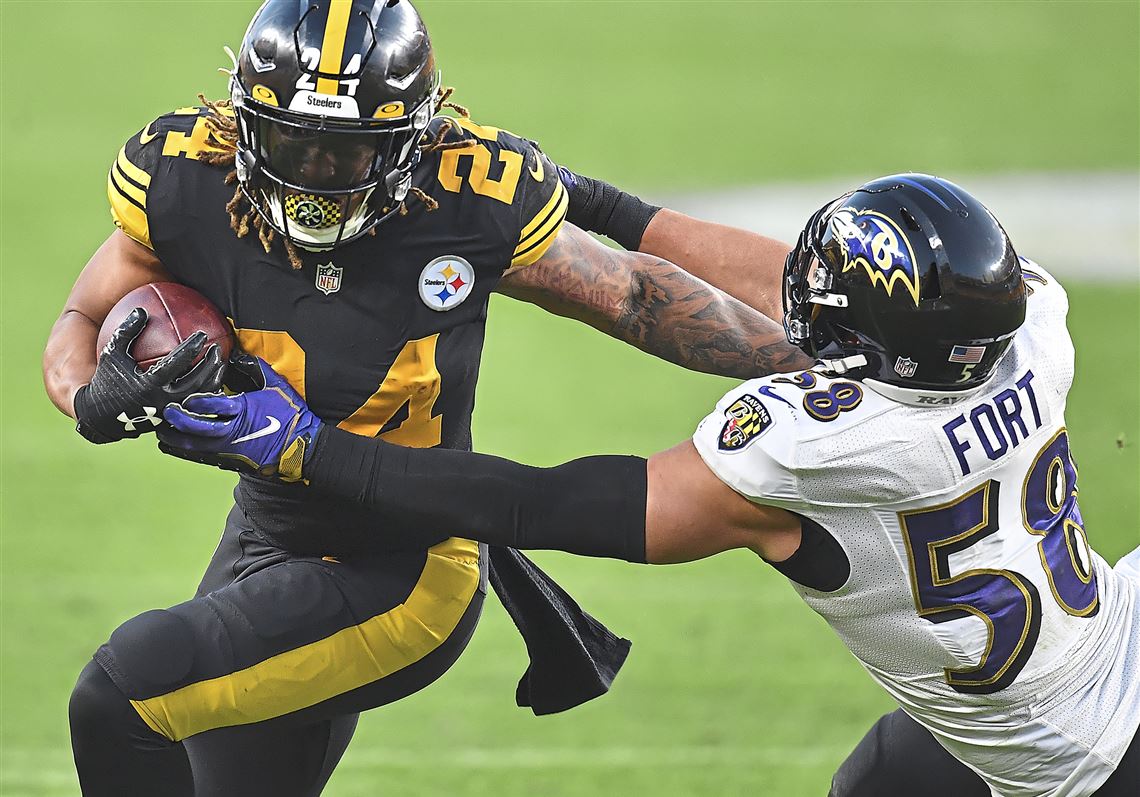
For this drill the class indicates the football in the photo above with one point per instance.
(174, 313)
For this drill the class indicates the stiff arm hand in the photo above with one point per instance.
(267, 432)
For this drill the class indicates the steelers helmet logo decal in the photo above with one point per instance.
(311, 211)
(446, 282)
(745, 420)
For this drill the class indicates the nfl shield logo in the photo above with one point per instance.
(328, 279)
(905, 367)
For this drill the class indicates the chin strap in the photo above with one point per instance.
(843, 364)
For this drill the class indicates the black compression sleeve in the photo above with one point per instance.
(593, 506)
(597, 206)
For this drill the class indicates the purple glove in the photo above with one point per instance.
(267, 432)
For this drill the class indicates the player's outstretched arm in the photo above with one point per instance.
(654, 305)
(743, 264)
(670, 508)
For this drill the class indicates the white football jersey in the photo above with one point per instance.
(973, 597)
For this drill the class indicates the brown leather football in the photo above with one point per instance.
(174, 313)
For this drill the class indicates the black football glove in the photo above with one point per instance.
(243, 373)
(122, 401)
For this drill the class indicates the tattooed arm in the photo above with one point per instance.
(743, 264)
(654, 305)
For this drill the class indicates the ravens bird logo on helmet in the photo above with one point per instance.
(872, 241)
(893, 280)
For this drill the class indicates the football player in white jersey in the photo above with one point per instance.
(915, 485)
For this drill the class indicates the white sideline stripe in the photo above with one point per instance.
(1075, 224)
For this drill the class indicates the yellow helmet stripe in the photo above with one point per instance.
(332, 46)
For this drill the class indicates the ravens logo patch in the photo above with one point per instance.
(745, 420)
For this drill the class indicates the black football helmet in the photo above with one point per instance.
(331, 99)
(908, 281)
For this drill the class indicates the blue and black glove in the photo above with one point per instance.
(268, 431)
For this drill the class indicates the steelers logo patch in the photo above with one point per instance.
(446, 282)
(745, 420)
(311, 211)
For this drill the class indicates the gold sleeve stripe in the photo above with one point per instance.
(350, 658)
(531, 256)
(537, 243)
(129, 216)
(132, 172)
(127, 187)
(541, 216)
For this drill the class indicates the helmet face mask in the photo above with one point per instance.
(807, 278)
(908, 281)
(326, 147)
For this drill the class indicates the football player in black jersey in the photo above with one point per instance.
(353, 236)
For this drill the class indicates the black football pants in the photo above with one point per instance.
(254, 686)
(117, 754)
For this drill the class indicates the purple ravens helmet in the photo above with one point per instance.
(909, 281)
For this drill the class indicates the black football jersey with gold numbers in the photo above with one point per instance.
(381, 336)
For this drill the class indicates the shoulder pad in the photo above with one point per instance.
(1046, 299)
(820, 398)
(782, 439)
(501, 166)
(187, 132)
(748, 442)
(849, 445)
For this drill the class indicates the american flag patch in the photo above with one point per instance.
(967, 354)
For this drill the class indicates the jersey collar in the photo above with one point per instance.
(922, 398)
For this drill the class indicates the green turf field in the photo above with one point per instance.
(733, 686)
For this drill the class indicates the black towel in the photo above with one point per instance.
(573, 657)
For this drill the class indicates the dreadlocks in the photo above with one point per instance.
(222, 151)
(437, 144)
(243, 216)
